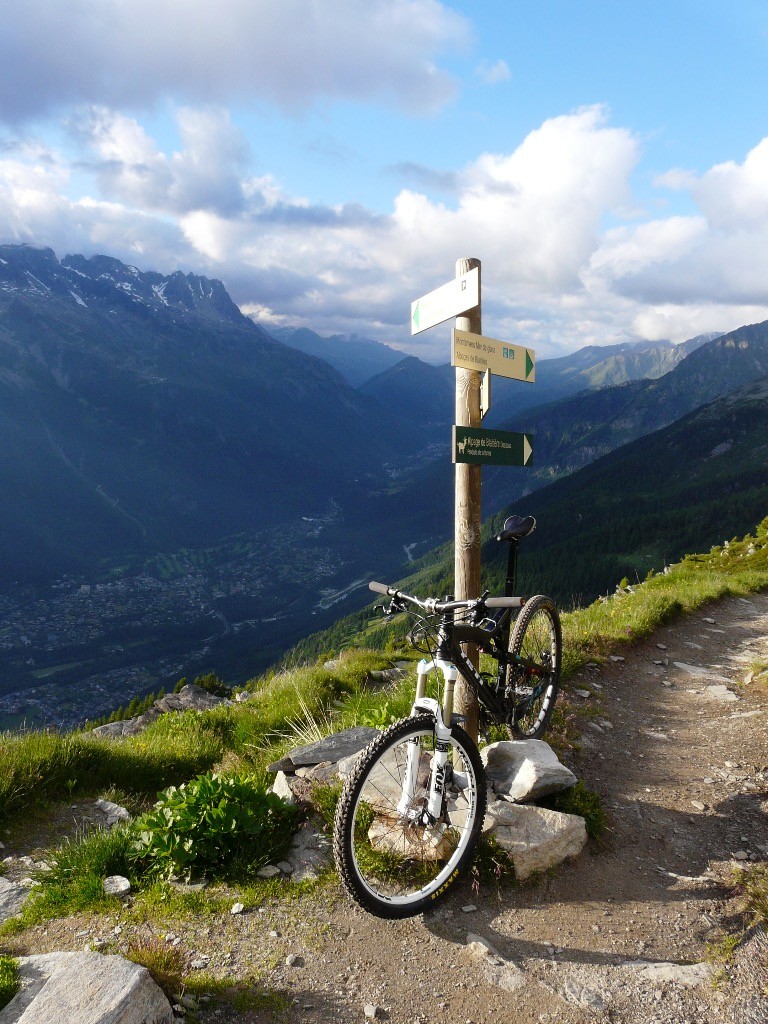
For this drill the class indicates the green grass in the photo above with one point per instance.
(582, 801)
(9, 979)
(75, 881)
(310, 698)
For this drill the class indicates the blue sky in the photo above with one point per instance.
(607, 161)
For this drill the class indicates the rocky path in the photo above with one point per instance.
(678, 750)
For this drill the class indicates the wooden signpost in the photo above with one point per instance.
(476, 358)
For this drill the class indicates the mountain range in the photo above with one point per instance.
(357, 359)
(183, 491)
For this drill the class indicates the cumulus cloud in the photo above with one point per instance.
(554, 276)
(208, 172)
(128, 55)
(712, 259)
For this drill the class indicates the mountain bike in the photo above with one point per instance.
(411, 811)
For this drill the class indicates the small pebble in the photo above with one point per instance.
(371, 1012)
(293, 960)
(237, 908)
(469, 908)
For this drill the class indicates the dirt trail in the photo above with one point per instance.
(683, 773)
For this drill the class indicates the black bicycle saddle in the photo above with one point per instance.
(517, 527)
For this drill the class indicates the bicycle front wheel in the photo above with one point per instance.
(394, 861)
(536, 648)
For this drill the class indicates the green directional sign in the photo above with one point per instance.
(476, 352)
(491, 447)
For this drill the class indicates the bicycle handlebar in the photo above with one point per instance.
(431, 604)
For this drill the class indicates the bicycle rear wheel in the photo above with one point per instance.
(535, 678)
(391, 861)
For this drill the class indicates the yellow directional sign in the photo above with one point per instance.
(452, 299)
(476, 352)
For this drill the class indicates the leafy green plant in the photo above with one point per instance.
(219, 824)
(378, 718)
(752, 884)
(9, 979)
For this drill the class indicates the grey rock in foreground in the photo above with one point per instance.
(521, 770)
(85, 988)
(333, 748)
(12, 897)
(535, 838)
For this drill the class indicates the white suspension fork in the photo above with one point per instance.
(442, 715)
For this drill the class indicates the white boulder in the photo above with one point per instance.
(521, 770)
(88, 988)
(535, 838)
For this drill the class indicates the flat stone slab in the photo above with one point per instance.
(12, 897)
(720, 692)
(87, 988)
(685, 975)
(700, 672)
(522, 770)
(332, 748)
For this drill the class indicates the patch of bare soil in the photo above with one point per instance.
(676, 746)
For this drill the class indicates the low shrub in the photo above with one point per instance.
(224, 825)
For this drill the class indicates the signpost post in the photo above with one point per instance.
(467, 508)
(475, 358)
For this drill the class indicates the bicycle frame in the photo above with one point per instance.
(451, 662)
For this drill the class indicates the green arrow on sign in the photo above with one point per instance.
(416, 316)
(528, 364)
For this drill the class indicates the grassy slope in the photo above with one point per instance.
(36, 766)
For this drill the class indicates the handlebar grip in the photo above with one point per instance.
(504, 602)
(379, 588)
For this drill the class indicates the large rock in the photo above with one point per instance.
(521, 770)
(12, 897)
(332, 748)
(189, 698)
(85, 988)
(535, 838)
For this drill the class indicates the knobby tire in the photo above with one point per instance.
(391, 866)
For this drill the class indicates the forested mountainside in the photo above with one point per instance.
(684, 488)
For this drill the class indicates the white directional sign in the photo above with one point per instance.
(452, 299)
(476, 352)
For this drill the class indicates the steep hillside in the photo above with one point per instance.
(419, 391)
(589, 368)
(680, 489)
(143, 413)
(575, 431)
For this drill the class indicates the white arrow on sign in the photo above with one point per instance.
(527, 450)
(452, 299)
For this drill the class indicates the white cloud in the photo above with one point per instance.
(553, 275)
(714, 260)
(493, 73)
(208, 172)
(128, 55)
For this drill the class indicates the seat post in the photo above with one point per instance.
(511, 582)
